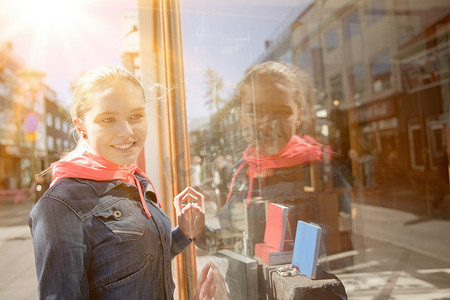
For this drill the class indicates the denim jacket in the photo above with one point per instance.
(92, 240)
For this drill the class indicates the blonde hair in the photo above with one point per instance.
(298, 82)
(84, 96)
(92, 81)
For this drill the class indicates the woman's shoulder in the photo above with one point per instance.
(70, 187)
(76, 194)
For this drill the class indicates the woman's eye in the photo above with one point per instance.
(108, 120)
(137, 116)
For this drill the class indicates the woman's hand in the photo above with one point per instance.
(205, 284)
(190, 210)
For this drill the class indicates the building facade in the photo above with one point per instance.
(381, 73)
(34, 130)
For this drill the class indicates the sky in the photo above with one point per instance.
(227, 37)
(63, 39)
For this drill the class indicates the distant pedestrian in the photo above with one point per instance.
(38, 187)
(196, 177)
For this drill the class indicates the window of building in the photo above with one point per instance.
(286, 57)
(381, 71)
(65, 126)
(58, 123)
(351, 25)
(303, 59)
(4, 91)
(50, 142)
(58, 144)
(332, 38)
(49, 120)
(317, 65)
(357, 81)
(375, 10)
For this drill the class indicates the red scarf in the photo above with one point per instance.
(298, 151)
(94, 167)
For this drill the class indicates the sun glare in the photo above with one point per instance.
(48, 13)
(48, 26)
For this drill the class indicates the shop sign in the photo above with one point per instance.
(371, 112)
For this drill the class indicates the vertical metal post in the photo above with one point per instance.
(167, 148)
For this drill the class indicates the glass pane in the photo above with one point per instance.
(337, 112)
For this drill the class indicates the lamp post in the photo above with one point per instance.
(33, 83)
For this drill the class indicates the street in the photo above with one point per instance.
(380, 270)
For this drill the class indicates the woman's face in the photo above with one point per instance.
(116, 125)
(269, 113)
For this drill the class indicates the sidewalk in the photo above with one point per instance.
(396, 256)
(423, 235)
(18, 275)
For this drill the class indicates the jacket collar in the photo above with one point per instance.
(103, 187)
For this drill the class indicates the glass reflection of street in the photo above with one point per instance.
(390, 260)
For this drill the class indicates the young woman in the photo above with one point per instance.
(98, 231)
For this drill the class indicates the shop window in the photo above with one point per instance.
(426, 69)
(351, 25)
(381, 71)
(437, 143)
(416, 146)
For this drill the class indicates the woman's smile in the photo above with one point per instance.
(123, 147)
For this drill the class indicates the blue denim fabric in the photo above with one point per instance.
(92, 240)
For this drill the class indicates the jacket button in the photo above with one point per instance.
(117, 214)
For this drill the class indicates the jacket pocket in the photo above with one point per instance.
(122, 220)
(125, 275)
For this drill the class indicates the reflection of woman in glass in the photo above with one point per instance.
(272, 103)
(278, 164)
